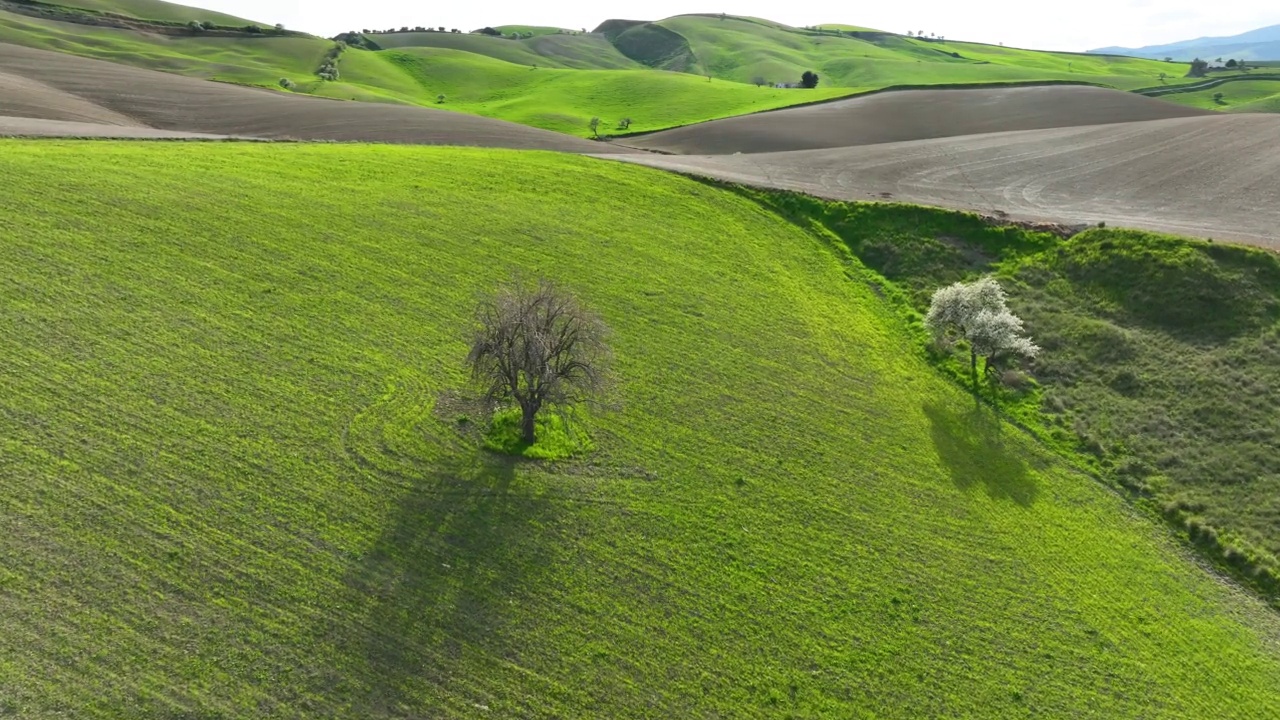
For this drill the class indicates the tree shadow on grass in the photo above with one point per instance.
(462, 550)
(972, 446)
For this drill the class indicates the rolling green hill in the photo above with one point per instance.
(158, 10)
(260, 61)
(562, 100)
(741, 49)
(580, 51)
(579, 75)
(238, 480)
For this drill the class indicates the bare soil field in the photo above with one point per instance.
(38, 127)
(24, 97)
(1212, 177)
(55, 86)
(911, 115)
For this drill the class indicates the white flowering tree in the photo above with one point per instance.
(977, 313)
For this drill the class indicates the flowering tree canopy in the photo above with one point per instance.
(977, 313)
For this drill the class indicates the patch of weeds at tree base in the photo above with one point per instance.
(1161, 370)
(557, 438)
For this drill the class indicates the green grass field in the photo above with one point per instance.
(1238, 96)
(236, 481)
(1162, 358)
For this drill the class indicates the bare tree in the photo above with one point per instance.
(536, 345)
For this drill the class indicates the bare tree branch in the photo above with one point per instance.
(536, 345)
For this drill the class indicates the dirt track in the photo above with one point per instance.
(1213, 176)
(56, 86)
(912, 115)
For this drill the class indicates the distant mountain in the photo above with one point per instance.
(1261, 44)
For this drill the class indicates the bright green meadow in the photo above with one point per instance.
(236, 481)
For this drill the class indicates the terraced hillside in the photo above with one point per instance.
(238, 481)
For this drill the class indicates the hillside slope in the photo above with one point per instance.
(912, 115)
(560, 100)
(61, 87)
(1210, 176)
(245, 60)
(236, 480)
(581, 51)
(742, 49)
(158, 10)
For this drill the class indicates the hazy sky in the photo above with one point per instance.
(1071, 25)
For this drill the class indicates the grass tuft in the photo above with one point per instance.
(557, 437)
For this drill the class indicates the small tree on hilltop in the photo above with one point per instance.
(978, 314)
(809, 79)
(537, 346)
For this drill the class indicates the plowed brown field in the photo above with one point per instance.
(912, 115)
(1216, 176)
(36, 127)
(56, 86)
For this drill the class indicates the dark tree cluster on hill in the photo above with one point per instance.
(809, 80)
(1199, 68)
(406, 28)
(487, 31)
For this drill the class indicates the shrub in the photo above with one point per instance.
(287, 84)
(809, 80)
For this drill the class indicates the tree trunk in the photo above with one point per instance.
(973, 371)
(527, 428)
